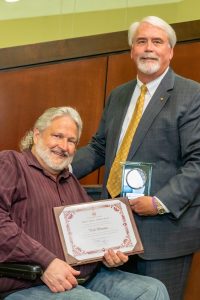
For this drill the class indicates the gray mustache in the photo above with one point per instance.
(61, 152)
(149, 56)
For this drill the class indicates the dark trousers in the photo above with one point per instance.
(173, 272)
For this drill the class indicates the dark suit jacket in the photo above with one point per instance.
(169, 137)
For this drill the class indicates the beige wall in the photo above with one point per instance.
(25, 24)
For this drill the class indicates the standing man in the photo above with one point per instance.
(31, 184)
(164, 131)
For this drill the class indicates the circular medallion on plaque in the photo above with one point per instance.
(136, 178)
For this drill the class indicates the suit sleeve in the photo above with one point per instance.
(183, 189)
(92, 156)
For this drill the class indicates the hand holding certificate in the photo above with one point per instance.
(88, 230)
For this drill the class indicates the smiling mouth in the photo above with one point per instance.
(149, 58)
(60, 153)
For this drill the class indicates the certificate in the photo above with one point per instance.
(136, 179)
(88, 230)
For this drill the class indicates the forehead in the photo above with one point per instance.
(63, 123)
(147, 30)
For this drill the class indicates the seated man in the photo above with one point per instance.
(31, 184)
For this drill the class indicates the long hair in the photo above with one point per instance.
(45, 120)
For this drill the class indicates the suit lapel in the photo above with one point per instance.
(156, 104)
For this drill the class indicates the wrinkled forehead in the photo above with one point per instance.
(148, 30)
(62, 123)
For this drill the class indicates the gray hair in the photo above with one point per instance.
(155, 21)
(45, 120)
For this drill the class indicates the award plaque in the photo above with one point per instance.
(136, 179)
(89, 229)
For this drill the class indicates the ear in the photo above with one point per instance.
(36, 135)
(131, 54)
(171, 53)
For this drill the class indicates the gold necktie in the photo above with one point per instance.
(114, 179)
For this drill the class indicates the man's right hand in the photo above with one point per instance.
(59, 276)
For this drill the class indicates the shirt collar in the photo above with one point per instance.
(152, 85)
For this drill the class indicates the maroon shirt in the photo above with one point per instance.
(28, 231)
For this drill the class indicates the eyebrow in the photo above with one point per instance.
(74, 139)
(147, 38)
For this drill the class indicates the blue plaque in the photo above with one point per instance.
(136, 179)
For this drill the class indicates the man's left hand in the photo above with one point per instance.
(143, 206)
(114, 259)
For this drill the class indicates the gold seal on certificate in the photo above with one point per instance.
(136, 179)
(87, 230)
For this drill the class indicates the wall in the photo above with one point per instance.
(31, 82)
(29, 22)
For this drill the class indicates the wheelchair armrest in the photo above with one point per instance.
(20, 270)
(94, 191)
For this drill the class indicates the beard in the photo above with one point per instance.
(45, 154)
(148, 67)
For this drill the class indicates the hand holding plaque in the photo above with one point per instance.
(88, 230)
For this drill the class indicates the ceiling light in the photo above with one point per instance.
(10, 1)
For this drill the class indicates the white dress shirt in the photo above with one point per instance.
(151, 88)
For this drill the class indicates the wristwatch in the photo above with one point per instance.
(158, 206)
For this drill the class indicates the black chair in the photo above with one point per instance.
(33, 271)
(94, 191)
(20, 271)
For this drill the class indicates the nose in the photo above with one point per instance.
(149, 45)
(63, 144)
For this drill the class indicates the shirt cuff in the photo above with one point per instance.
(163, 205)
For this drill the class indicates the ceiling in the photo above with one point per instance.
(38, 8)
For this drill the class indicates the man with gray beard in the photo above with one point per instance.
(161, 128)
(32, 183)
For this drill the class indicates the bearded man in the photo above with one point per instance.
(161, 128)
(32, 183)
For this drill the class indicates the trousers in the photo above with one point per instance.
(107, 284)
(173, 272)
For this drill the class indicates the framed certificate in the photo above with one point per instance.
(136, 179)
(88, 230)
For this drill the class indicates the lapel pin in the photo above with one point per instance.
(161, 99)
